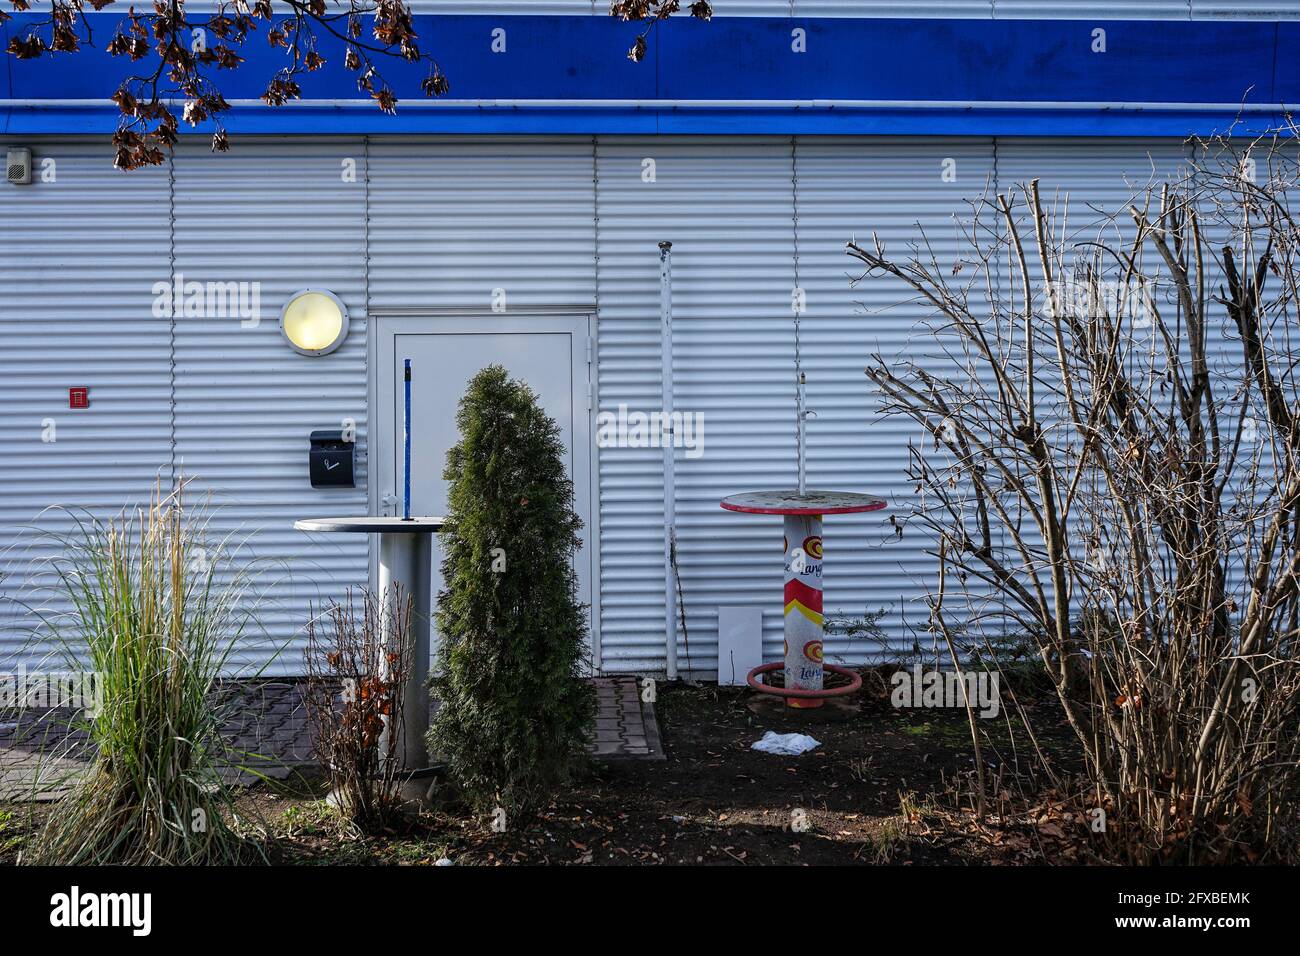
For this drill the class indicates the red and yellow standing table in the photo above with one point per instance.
(804, 667)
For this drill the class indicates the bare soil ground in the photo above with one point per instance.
(885, 787)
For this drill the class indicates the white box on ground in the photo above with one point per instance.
(740, 643)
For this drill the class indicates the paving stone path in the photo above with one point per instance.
(43, 753)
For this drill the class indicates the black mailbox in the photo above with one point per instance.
(332, 461)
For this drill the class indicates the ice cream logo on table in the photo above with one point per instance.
(805, 559)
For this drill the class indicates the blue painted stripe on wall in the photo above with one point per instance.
(939, 62)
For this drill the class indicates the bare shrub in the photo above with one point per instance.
(358, 659)
(1112, 467)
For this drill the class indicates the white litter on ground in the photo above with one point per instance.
(786, 744)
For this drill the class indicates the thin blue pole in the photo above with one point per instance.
(406, 443)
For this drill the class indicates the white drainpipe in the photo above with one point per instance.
(670, 483)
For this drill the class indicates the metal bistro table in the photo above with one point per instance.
(804, 666)
(405, 561)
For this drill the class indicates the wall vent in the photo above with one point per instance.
(19, 166)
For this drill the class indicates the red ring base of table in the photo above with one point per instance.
(803, 698)
(804, 625)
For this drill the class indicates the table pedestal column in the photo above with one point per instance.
(803, 607)
(405, 562)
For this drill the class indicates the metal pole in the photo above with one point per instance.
(800, 408)
(667, 439)
(406, 443)
(397, 561)
(801, 429)
(415, 707)
(404, 566)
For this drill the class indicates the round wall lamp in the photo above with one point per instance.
(314, 322)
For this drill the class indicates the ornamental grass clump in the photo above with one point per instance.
(515, 713)
(155, 618)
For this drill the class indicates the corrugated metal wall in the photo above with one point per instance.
(440, 223)
(748, 223)
(218, 398)
(82, 251)
(727, 208)
(286, 216)
(1255, 9)
(894, 188)
(742, 244)
(451, 220)
(1098, 9)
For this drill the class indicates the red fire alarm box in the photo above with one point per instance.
(79, 397)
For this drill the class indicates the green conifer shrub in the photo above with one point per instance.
(514, 712)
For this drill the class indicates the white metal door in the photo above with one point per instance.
(549, 352)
